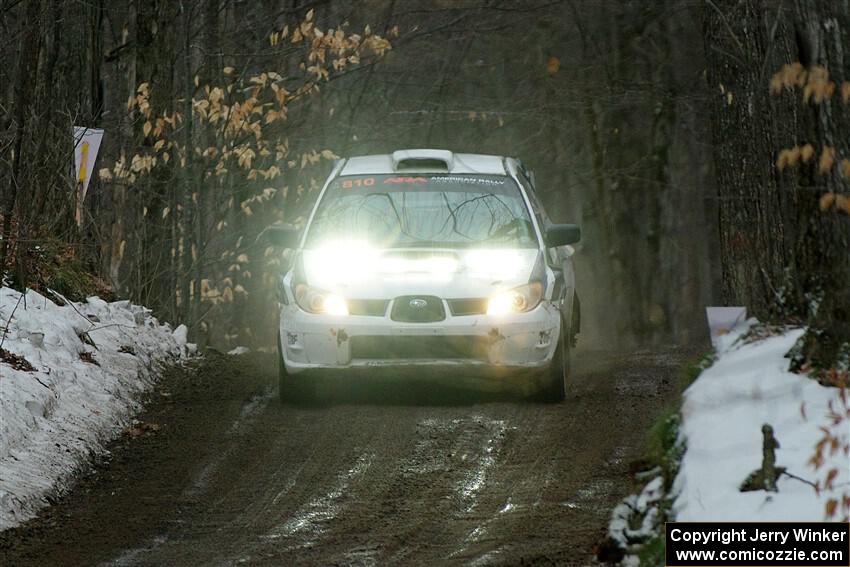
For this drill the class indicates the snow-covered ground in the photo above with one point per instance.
(90, 363)
(722, 415)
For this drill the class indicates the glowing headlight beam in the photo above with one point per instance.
(335, 305)
(517, 300)
(496, 264)
(314, 300)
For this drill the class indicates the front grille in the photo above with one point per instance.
(415, 347)
(418, 309)
(371, 307)
(473, 306)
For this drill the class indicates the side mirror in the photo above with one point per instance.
(562, 234)
(282, 235)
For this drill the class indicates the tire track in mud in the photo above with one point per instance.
(254, 405)
(310, 520)
(376, 477)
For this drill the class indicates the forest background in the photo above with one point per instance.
(657, 126)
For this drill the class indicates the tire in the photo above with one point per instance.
(575, 326)
(557, 373)
(292, 389)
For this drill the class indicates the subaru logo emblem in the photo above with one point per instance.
(418, 303)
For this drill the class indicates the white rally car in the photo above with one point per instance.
(430, 259)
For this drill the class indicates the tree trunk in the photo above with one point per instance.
(746, 137)
(18, 183)
(188, 198)
(821, 257)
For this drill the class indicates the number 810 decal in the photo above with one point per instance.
(363, 182)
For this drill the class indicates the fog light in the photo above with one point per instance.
(335, 305)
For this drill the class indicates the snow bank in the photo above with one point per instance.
(90, 361)
(722, 415)
(644, 507)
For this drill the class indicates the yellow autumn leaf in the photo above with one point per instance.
(827, 158)
(782, 160)
(826, 201)
(552, 65)
(831, 507)
(147, 127)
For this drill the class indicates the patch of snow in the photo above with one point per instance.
(722, 415)
(53, 419)
(239, 350)
(181, 334)
(639, 509)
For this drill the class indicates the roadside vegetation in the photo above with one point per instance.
(637, 526)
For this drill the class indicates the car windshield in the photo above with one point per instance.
(424, 210)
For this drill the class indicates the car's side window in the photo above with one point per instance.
(536, 208)
(542, 218)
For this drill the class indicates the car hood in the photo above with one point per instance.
(446, 273)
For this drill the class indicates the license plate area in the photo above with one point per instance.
(406, 347)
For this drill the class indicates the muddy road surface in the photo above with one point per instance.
(220, 473)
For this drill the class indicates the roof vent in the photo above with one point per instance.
(423, 160)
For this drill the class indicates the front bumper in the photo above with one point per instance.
(481, 344)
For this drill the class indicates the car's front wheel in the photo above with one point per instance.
(292, 389)
(558, 371)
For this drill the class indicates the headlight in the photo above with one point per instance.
(517, 300)
(313, 300)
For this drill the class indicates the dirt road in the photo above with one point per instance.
(382, 474)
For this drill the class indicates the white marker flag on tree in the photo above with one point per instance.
(86, 145)
(721, 321)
